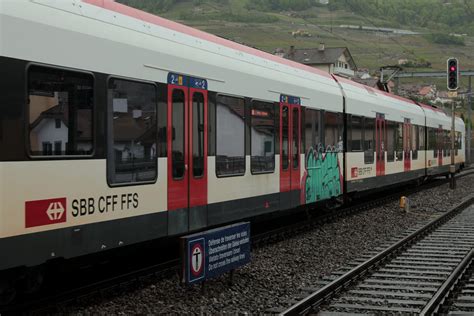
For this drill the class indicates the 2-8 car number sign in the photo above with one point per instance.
(214, 252)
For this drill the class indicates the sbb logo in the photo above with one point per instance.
(354, 172)
(45, 212)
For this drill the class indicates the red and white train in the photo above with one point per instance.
(119, 127)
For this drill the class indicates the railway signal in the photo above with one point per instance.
(453, 74)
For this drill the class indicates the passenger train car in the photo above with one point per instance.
(118, 127)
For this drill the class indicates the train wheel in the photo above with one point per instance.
(33, 281)
(7, 294)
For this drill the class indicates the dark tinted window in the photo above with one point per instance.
(296, 138)
(312, 132)
(177, 134)
(399, 142)
(432, 139)
(421, 138)
(415, 136)
(285, 148)
(60, 111)
(332, 132)
(369, 135)
(458, 142)
(198, 135)
(262, 137)
(230, 133)
(447, 144)
(133, 151)
(356, 133)
(391, 140)
(162, 121)
(47, 149)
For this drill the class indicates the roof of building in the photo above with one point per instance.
(84, 120)
(315, 56)
(425, 90)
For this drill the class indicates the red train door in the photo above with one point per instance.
(407, 144)
(380, 143)
(187, 147)
(290, 148)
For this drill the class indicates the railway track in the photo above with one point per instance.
(51, 299)
(416, 275)
(458, 298)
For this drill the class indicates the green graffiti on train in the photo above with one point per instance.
(323, 176)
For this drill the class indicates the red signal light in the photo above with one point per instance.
(452, 74)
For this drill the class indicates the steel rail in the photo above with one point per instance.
(440, 296)
(328, 291)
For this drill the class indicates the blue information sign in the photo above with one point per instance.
(198, 83)
(178, 80)
(214, 252)
(290, 100)
(182, 80)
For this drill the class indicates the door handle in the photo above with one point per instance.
(186, 167)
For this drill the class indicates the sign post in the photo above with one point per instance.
(214, 252)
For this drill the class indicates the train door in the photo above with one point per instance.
(407, 131)
(290, 149)
(380, 143)
(187, 150)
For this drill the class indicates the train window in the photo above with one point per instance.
(439, 145)
(230, 133)
(132, 148)
(285, 148)
(262, 137)
(198, 135)
(421, 138)
(457, 139)
(356, 133)
(47, 149)
(162, 123)
(296, 129)
(415, 142)
(391, 139)
(399, 142)
(447, 144)
(369, 134)
(332, 135)
(432, 145)
(60, 112)
(312, 132)
(458, 143)
(178, 132)
(211, 124)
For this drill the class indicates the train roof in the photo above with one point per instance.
(360, 95)
(178, 27)
(112, 38)
(367, 101)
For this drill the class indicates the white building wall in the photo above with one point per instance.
(46, 131)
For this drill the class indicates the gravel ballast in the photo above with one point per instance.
(278, 271)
